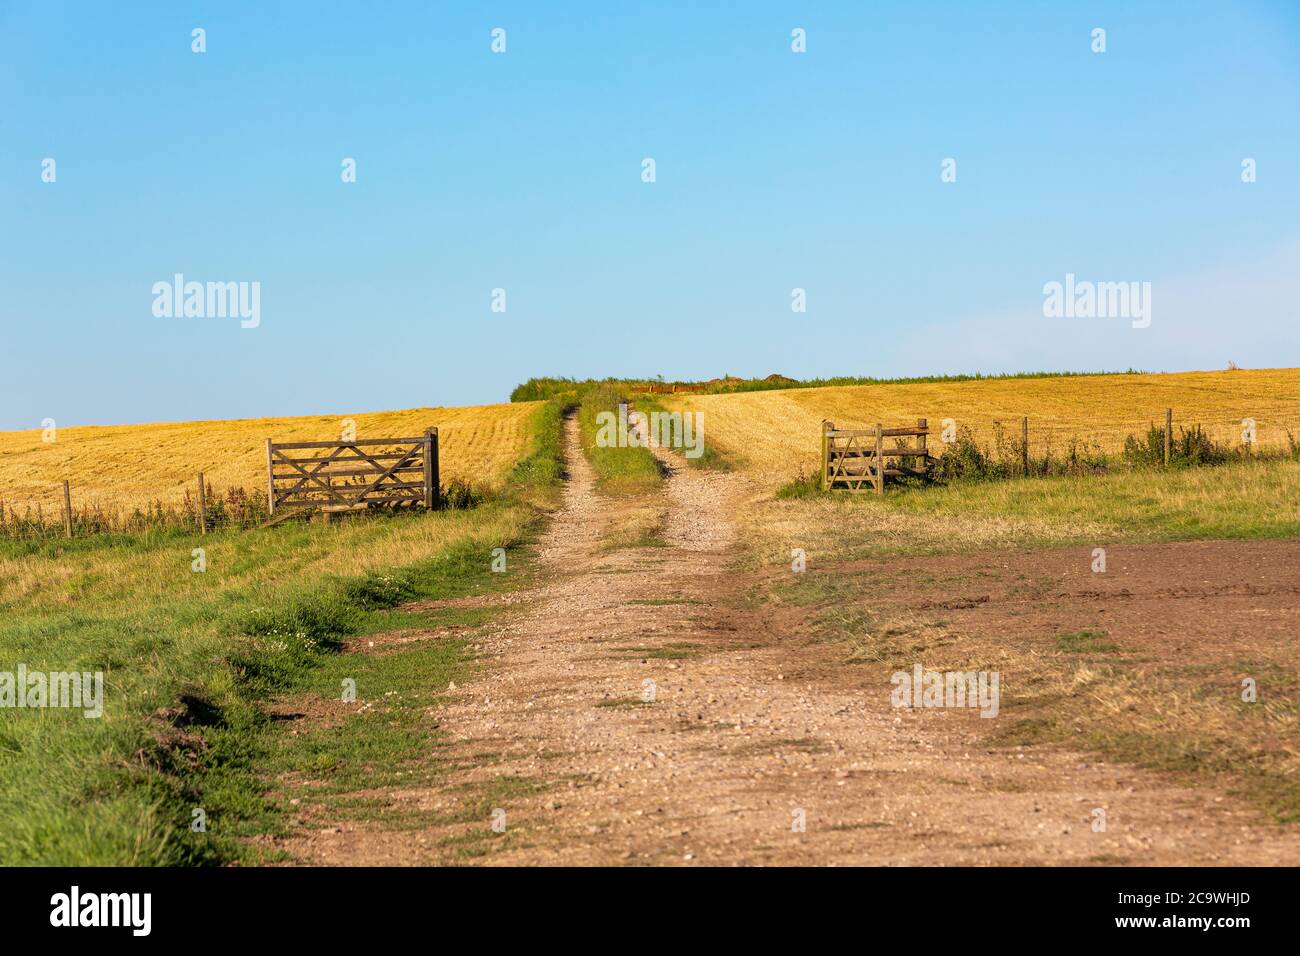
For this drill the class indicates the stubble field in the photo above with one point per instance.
(773, 435)
(126, 466)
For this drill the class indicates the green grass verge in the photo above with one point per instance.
(190, 661)
(1244, 499)
(1250, 499)
(619, 471)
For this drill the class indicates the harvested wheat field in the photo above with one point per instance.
(774, 434)
(123, 466)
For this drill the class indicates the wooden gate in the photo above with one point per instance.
(856, 459)
(354, 475)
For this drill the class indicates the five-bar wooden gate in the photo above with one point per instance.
(856, 459)
(352, 475)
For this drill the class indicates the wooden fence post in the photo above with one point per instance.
(826, 455)
(880, 459)
(203, 507)
(67, 508)
(1169, 432)
(432, 483)
(428, 468)
(270, 482)
(922, 445)
(1024, 445)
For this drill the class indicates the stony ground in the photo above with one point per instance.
(637, 707)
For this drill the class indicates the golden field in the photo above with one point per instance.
(121, 466)
(775, 434)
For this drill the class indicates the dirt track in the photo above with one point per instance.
(748, 726)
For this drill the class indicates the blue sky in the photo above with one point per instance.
(522, 171)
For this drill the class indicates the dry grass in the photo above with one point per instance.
(774, 434)
(122, 466)
(1243, 500)
(112, 579)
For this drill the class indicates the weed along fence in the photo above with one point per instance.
(864, 459)
(857, 459)
(352, 476)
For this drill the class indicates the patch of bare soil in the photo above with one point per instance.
(1205, 600)
(639, 709)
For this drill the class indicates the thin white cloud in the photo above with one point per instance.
(1247, 312)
